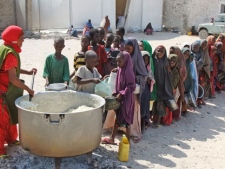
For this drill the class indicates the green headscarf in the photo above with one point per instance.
(148, 47)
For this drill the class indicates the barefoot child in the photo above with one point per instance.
(125, 86)
(56, 69)
(79, 58)
(87, 76)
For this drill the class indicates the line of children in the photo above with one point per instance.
(171, 78)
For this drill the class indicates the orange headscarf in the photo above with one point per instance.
(11, 35)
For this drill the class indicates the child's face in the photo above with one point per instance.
(196, 48)
(120, 61)
(95, 38)
(160, 52)
(129, 49)
(204, 45)
(59, 46)
(140, 44)
(109, 41)
(146, 59)
(186, 54)
(101, 34)
(92, 62)
(84, 43)
(172, 62)
(116, 42)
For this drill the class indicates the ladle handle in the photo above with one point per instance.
(32, 85)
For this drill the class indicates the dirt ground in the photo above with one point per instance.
(196, 141)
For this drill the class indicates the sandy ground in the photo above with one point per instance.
(196, 141)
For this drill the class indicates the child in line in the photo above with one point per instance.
(125, 86)
(108, 43)
(87, 76)
(79, 57)
(146, 96)
(101, 36)
(116, 42)
(56, 69)
(99, 50)
(121, 32)
(176, 85)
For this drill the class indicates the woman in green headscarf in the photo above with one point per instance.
(145, 46)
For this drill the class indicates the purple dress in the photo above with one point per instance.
(125, 85)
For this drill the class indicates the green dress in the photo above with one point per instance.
(57, 71)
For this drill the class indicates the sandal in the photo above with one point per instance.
(4, 156)
(108, 141)
(14, 143)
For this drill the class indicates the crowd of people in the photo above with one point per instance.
(166, 79)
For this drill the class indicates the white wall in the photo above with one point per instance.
(152, 12)
(109, 8)
(84, 10)
(54, 14)
(134, 15)
(141, 12)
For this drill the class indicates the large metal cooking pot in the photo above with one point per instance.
(51, 132)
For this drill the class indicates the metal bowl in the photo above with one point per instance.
(56, 87)
(111, 103)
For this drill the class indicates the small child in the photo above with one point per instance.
(121, 32)
(116, 42)
(125, 86)
(109, 41)
(146, 96)
(101, 36)
(79, 58)
(87, 76)
(56, 69)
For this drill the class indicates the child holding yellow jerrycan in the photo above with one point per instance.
(124, 148)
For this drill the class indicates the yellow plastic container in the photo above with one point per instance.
(189, 33)
(124, 149)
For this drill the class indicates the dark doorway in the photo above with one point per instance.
(120, 9)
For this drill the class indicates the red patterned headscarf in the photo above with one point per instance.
(11, 35)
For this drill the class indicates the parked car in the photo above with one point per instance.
(216, 27)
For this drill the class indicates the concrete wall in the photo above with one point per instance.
(183, 14)
(7, 13)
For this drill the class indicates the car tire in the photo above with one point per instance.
(203, 34)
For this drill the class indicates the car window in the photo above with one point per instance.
(220, 19)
